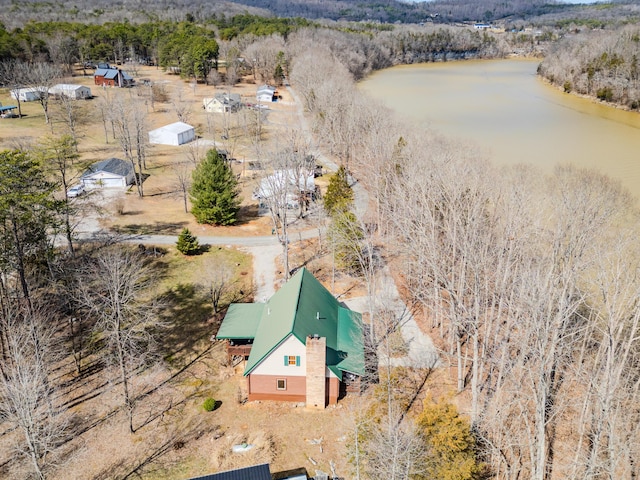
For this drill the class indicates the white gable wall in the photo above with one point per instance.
(212, 105)
(273, 364)
(104, 179)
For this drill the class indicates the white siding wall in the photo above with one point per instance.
(274, 363)
(101, 179)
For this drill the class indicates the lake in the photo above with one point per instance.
(513, 116)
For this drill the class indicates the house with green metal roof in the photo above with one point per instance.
(302, 345)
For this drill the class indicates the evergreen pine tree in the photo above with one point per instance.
(187, 243)
(339, 196)
(214, 192)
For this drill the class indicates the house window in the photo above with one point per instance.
(281, 384)
(292, 360)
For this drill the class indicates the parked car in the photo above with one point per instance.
(75, 191)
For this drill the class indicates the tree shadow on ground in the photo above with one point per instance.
(187, 311)
(148, 467)
(156, 228)
(247, 213)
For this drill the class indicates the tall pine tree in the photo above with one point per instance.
(214, 192)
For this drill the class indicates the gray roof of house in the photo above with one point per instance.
(257, 472)
(105, 72)
(228, 98)
(110, 73)
(113, 165)
(266, 89)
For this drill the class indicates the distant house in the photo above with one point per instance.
(301, 345)
(112, 77)
(222, 102)
(266, 93)
(26, 94)
(256, 472)
(173, 134)
(294, 185)
(110, 173)
(71, 90)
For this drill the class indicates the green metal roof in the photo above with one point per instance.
(241, 321)
(303, 307)
(351, 340)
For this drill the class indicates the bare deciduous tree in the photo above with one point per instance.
(286, 187)
(41, 76)
(72, 113)
(128, 119)
(181, 105)
(26, 393)
(182, 181)
(218, 279)
(114, 288)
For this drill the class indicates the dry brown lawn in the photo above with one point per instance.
(175, 438)
(161, 210)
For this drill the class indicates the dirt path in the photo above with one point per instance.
(264, 270)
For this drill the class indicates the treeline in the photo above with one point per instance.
(244, 43)
(526, 279)
(113, 41)
(513, 13)
(600, 63)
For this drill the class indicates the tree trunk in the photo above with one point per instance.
(20, 258)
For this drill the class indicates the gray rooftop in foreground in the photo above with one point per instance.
(256, 472)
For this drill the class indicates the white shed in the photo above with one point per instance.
(265, 93)
(110, 173)
(26, 94)
(174, 134)
(71, 90)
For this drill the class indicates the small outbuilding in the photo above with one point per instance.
(109, 173)
(26, 94)
(177, 133)
(71, 90)
(266, 93)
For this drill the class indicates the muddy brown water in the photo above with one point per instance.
(513, 116)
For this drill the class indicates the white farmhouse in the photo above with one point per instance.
(222, 103)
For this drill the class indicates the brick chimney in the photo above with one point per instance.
(316, 368)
